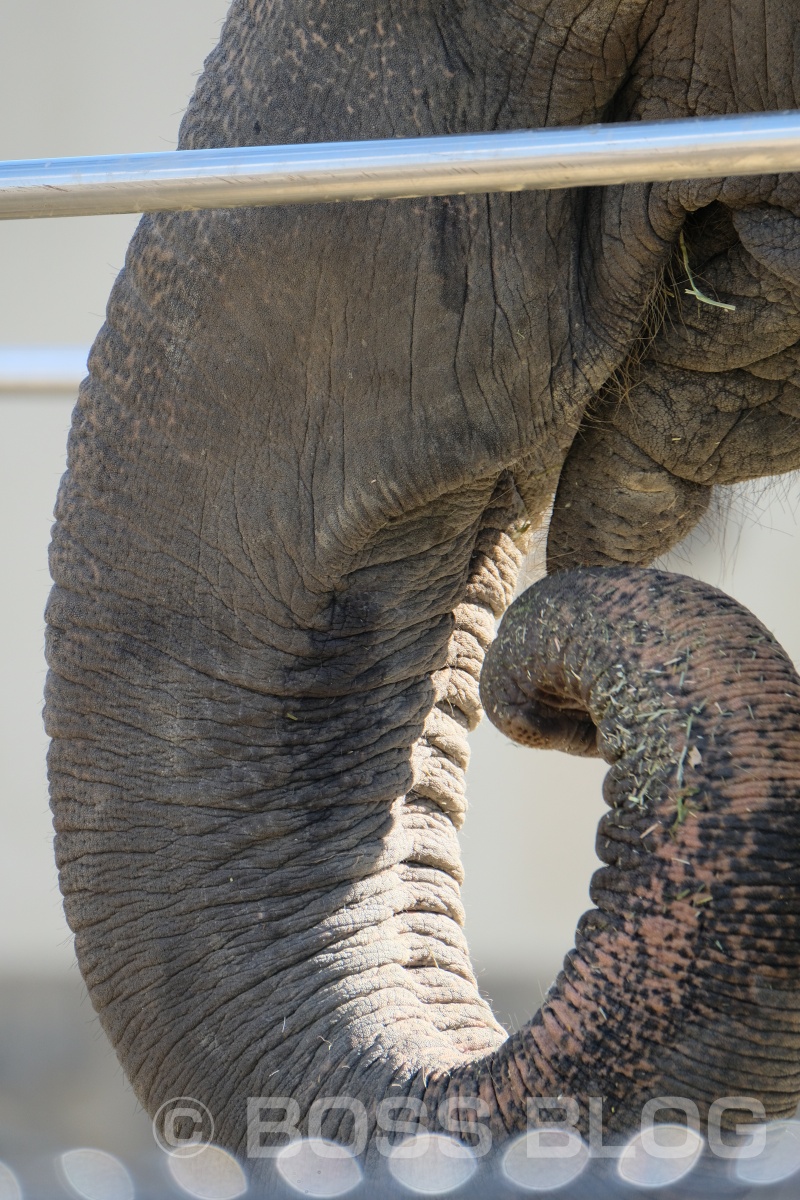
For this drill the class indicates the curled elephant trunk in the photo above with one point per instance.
(244, 939)
(684, 979)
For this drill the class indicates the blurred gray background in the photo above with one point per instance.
(91, 77)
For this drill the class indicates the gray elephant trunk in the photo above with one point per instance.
(263, 884)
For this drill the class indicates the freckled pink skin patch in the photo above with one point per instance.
(685, 979)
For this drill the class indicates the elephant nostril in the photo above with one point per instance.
(537, 717)
(568, 731)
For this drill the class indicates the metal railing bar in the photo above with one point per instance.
(691, 148)
(42, 369)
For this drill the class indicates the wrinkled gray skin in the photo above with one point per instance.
(301, 475)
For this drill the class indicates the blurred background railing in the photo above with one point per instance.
(669, 1161)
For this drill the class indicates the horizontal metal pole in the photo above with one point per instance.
(693, 148)
(42, 368)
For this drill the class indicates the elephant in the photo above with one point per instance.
(308, 459)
